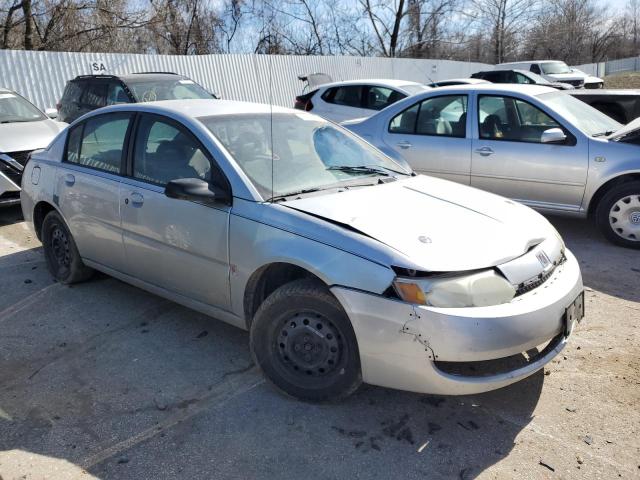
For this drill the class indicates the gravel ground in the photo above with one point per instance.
(103, 380)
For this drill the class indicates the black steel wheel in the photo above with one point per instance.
(303, 341)
(60, 251)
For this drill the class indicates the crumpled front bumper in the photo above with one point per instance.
(401, 344)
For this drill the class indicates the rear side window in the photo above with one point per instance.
(164, 152)
(349, 96)
(444, 116)
(99, 142)
(535, 68)
(95, 94)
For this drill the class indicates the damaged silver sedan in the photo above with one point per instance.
(344, 265)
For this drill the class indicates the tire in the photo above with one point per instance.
(618, 215)
(61, 253)
(304, 343)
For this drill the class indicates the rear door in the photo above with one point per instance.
(343, 103)
(178, 245)
(432, 136)
(509, 158)
(88, 184)
(94, 95)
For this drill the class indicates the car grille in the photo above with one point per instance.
(533, 284)
(575, 83)
(20, 157)
(12, 172)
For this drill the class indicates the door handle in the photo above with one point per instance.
(69, 179)
(404, 144)
(136, 199)
(484, 151)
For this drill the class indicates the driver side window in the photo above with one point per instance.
(164, 152)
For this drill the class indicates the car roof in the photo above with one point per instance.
(499, 88)
(5, 90)
(196, 108)
(135, 77)
(391, 82)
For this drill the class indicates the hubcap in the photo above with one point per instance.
(624, 217)
(309, 345)
(60, 247)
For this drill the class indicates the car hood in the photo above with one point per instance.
(563, 77)
(436, 224)
(23, 136)
(625, 130)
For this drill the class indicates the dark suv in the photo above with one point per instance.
(89, 92)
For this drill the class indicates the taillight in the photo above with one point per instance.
(303, 102)
(308, 106)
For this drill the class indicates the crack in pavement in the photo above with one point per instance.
(232, 384)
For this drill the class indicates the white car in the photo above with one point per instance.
(23, 128)
(555, 71)
(458, 81)
(344, 266)
(340, 101)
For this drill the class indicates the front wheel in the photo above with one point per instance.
(60, 251)
(618, 215)
(303, 341)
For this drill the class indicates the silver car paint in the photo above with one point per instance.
(550, 178)
(394, 338)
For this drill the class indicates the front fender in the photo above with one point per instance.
(254, 245)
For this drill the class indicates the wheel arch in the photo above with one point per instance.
(608, 185)
(266, 279)
(40, 211)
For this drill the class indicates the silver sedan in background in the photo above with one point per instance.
(534, 144)
(345, 266)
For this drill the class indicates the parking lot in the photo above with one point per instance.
(103, 380)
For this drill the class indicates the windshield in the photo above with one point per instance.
(309, 153)
(554, 68)
(179, 89)
(583, 116)
(413, 89)
(14, 108)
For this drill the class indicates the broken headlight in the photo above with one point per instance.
(480, 289)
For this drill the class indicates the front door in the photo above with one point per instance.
(510, 159)
(179, 245)
(87, 187)
(432, 136)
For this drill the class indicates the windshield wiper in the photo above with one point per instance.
(284, 196)
(603, 134)
(361, 169)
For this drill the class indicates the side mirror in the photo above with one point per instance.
(51, 113)
(553, 135)
(196, 190)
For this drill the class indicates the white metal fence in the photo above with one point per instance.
(41, 76)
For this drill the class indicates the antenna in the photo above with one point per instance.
(271, 117)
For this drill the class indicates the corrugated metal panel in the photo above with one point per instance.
(41, 76)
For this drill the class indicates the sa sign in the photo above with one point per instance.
(98, 67)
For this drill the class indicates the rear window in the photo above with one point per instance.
(95, 94)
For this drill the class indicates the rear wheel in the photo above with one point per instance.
(60, 251)
(304, 343)
(618, 215)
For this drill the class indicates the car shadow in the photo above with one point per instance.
(10, 215)
(87, 368)
(605, 267)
